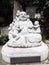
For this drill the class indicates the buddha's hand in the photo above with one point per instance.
(30, 29)
(17, 38)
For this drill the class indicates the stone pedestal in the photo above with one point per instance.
(9, 52)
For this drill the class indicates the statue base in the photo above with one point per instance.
(9, 53)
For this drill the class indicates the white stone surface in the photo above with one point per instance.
(37, 27)
(24, 39)
(38, 15)
(8, 52)
(28, 33)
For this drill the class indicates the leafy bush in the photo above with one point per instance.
(46, 10)
(3, 39)
(43, 37)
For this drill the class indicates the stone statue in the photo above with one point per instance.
(23, 32)
(25, 39)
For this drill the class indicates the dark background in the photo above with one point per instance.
(7, 6)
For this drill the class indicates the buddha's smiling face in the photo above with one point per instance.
(23, 16)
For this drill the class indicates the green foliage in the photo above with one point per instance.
(36, 2)
(47, 3)
(46, 10)
(43, 37)
(3, 39)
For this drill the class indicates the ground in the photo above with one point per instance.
(43, 62)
